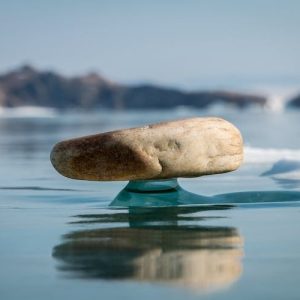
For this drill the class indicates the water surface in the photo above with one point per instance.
(60, 239)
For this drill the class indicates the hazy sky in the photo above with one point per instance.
(188, 43)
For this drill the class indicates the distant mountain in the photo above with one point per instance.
(28, 87)
(295, 102)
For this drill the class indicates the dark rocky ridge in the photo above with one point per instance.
(28, 87)
(295, 102)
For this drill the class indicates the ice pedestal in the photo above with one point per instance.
(145, 193)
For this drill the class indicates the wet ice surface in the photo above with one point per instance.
(59, 238)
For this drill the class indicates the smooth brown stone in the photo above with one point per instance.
(185, 148)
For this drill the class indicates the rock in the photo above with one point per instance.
(184, 148)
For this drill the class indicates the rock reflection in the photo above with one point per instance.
(144, 216)
(156, 249)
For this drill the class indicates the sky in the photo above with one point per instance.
(191, 43)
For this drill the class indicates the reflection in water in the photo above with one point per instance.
(288, 183)
(160, 245)
(143, 216)
(286, 173)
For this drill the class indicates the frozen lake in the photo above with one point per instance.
(60, 239)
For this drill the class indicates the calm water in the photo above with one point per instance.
(60, 239)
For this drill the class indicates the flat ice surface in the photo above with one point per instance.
(59, 239)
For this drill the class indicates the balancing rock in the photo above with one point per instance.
(184, 148)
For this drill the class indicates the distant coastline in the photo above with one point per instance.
(27, 86)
